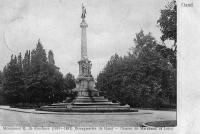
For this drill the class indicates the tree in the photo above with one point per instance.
(143, 78)
(38, 59)
(1, 78)
(168, 22)
(69, 84)
(26, 62)
(69, 81)
(2, 97)
(13, 83)
(168, 27)
(34, 80)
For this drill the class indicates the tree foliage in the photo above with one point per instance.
(143, 78)
(168, 22)
(33, 79)
(1, 75)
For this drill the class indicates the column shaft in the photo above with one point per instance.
(83, 43)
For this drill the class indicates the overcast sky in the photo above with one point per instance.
(112, 25)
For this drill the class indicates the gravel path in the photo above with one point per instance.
(14, 118)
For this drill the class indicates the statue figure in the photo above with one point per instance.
(83, 12)
(84, 69)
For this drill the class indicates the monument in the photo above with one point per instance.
(84, 81)
(88, 98)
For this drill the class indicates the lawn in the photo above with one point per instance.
(169, 123)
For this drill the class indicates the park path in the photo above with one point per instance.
(32, 118)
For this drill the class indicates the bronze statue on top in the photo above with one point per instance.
(83, 12)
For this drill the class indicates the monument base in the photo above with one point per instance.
(88, 107)
(88, 104)
(87, 100)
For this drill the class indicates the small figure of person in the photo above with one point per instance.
(83, 12)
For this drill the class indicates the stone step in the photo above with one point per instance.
(105, 108)
(96, 98)
(76, 104)
(85, 97)
(84, 106)
(100, 109)
(95, 103)
(101, 106)
(87, 107)
(91, 106)
(89, 99)
(85, 102)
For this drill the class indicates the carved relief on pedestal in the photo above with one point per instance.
(85, 68)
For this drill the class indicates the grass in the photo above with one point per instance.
(170, 123)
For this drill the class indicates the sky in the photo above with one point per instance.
(112, 25)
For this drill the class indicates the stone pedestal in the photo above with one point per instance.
(85, 81)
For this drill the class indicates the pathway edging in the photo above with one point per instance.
(70, 113)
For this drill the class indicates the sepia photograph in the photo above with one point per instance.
(96, 65)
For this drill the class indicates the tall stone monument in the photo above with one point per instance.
(88, 98)
(85, 80)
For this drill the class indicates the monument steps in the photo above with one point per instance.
(96, 110)
(95, 103)
(101, 106)
(86, 106)
(95, 97)
(91, 100)
(89, 109)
